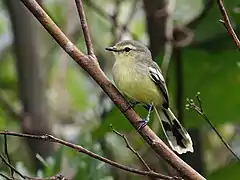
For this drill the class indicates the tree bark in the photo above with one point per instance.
(30, 73)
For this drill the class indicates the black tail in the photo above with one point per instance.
(177, 136)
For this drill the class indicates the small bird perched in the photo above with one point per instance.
(137, 76)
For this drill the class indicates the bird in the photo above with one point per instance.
(138, 76)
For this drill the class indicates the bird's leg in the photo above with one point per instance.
(144, 121)
(147, 106)
(131, 104)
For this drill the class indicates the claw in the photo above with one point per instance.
(142, 124)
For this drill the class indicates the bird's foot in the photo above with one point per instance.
(142, 123)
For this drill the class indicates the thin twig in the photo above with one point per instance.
(6, 177)
(57, 177)
(10, 166)
(124, 27)
(227, 24)
(90, 64)
(199, 109)
(84, 25)
(114, 17)
(6, 152)
(108, 17)
(131, 148)
(50, 138)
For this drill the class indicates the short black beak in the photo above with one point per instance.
(113, 48)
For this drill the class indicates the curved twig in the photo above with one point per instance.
(6, 177)
(84, 26)
(6, 153)
(50, 138)
(227, 24)
(10, 166)
(199, 109)
(131, 148)
(57, 177)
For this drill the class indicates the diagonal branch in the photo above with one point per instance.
(13, 169)
(90, 64)
(108, 17)
(6, 153)
(84, 25)
(131, 148)
(10, 166)
(124, 27)
(57, 177)
(6, 177)
(226, 22)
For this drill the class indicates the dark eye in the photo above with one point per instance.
(127, 49)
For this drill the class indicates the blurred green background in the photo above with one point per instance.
(43, 91)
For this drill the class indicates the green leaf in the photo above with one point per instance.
(230, 171)
(58, 157)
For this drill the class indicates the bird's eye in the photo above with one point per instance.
(127, 49)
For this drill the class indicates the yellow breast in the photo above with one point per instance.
(137, 86)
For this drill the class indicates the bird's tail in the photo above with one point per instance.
(177, 136)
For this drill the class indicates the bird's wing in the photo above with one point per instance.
(158, 79)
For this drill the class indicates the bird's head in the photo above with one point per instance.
(129, 49)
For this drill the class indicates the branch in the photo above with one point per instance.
(114, 17)
(50, 138)
(90, 64)
(124, 27)
(13, 169)
(227, 24)
(57, 177)
(6, 153)
(6, 177)
(108, 17)
(131, 148)
(84, 27)
(199, 109)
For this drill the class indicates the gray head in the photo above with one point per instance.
(130, 49)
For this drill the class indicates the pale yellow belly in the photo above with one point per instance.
(138, 87)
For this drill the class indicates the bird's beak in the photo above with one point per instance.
(113, 48)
